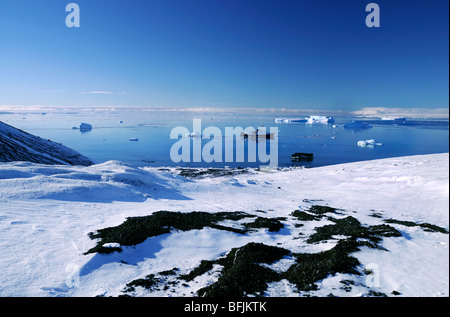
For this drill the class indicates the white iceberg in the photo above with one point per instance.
(320, 119)
(362, 143)
(368, 143)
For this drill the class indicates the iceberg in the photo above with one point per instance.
(133, 139)
(85, 127)
(362, 143)
(368, 143)
(320, 119)
(311, 119)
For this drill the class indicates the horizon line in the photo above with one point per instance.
(417, 112)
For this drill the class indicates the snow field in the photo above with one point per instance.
(46, 213)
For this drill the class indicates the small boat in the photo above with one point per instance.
(257, 135)
(133, 139)
(302, 157)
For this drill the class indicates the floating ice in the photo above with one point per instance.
(362, 143)
(289, 120)
(85, 127)
(368, 143)
(320, 119)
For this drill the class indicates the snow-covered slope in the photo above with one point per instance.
(17, 145)
(48, 212)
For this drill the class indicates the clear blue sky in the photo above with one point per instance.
(225, 53)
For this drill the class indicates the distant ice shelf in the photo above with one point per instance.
(357, 125)
(398, 121)
(289, 120)
(393, 119)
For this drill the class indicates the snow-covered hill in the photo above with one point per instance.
(17, 145)
(370, 228)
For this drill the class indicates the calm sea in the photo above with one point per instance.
(330, 143)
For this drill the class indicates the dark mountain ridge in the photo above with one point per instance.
(17, 145)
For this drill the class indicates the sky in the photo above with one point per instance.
(303, 54)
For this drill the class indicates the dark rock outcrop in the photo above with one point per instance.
(17, 145)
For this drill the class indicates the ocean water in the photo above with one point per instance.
(330, 143)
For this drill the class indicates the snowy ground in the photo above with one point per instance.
(46, 213)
